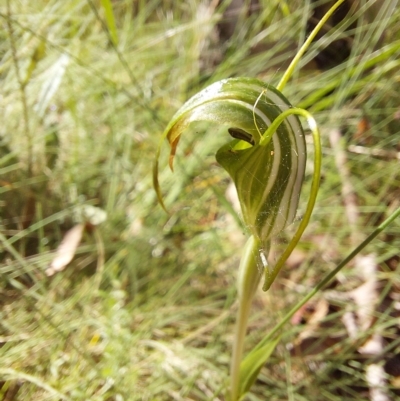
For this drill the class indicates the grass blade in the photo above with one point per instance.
(109, 14)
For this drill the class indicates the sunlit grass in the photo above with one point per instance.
(153, 321)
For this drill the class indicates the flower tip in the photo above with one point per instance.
(267, 285)
(171, 162)
(163, 206)
(161, 201)
(156, 186)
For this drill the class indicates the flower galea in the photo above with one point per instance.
(265, 156)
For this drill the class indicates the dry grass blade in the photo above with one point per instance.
(66, 250)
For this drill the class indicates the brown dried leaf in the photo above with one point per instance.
(66, 250)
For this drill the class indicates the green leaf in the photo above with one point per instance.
(252, 364)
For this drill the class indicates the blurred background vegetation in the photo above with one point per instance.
(145, 309)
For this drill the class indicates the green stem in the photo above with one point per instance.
(288, 73)
(248, 280)
(270, 275)
(328, 277)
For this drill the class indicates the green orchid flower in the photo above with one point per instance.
(266, 159)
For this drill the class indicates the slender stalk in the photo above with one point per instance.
(248, 280)
(288, 73)
(238, 344)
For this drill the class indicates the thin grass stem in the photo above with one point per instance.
(328, 277)
(21, 84)
(288, 73)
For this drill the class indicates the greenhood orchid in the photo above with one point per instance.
(266, 157)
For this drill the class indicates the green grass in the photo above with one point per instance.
(145, 310)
